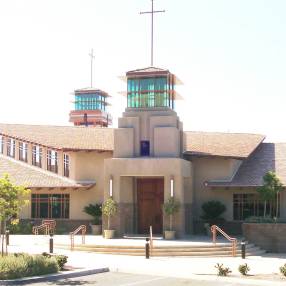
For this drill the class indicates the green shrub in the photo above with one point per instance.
(212, 210)
(61, 259)
(243, 269)
(21, 228)
(23, 265)
(94, 210)
(222, 271)
(283, 270)
(259, 219)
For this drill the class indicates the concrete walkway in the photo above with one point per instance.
(262, 267)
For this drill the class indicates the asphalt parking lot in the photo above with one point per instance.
(125, 279)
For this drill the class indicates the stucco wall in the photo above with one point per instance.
(215, 168)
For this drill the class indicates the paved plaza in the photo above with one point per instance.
(263, 268)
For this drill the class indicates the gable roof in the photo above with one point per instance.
(267, 157)
(235, 145)
(33, 177)
(62, 137)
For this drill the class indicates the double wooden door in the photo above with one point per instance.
(150, 196)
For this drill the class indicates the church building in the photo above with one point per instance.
(141, 164)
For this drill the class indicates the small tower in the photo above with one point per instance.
(90, 104)
(90, 108)
(151, 88)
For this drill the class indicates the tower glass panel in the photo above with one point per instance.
(145, 92)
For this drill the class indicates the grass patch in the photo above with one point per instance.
(23, 265)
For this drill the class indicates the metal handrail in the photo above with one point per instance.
(233, 240)
(45, 226)
(81, 228)
(51, 223)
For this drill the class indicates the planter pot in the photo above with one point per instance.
(96, 229)
(109, 233)
(170, 234)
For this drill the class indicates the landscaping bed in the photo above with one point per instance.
(19, 265)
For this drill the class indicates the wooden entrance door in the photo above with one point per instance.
(150, 196)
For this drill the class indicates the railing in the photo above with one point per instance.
(215, 229)
(44, 226)
(151, 240)
(48, 225)
(81, 228)
(51, 223)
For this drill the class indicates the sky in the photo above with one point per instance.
(229, 54)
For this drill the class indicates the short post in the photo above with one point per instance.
(51, 243)
(7, 236)
(243, 249)
(147, 248)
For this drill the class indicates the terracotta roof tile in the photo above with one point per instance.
(236, 145)
(62, 137)
(267, 157)
(32, 177)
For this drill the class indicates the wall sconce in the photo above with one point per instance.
(111, 186)
(172, 186)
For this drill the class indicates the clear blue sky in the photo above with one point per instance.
(230, 54)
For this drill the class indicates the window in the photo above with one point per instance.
(11, 147)
(23, 152)
(66, 165)
(37, 156)
(145, 148)
(50, 205)
(1, 144)
(52, 161)
(246, 205)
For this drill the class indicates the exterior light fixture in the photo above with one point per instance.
(172, 186)
(111, 186)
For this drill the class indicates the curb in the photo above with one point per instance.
(53, 277)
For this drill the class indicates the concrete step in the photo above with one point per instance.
(178, 250)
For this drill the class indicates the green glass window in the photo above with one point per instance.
(90, 102)
(149, 92)
(50, 205)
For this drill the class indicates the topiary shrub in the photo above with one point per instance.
(212, 210)
(243, 269)
(109, 209)
(221, 270)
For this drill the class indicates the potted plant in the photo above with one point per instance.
(95, 211)
(170, 208)
(109, 209)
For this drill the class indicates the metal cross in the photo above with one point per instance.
(92, 57)
(152, 12)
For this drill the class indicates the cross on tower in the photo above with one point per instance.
(92, 57)
(152, 12)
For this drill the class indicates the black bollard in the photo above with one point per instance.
(51, 244)
(147, 249)
(7, 236)
(243, 249)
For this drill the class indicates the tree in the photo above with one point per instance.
(109, 208)
(170, 208)
(12, 199)
(271, 188)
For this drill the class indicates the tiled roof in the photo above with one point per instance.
(148, 70)
(267, 157)
(236, 145)
(34, 177)
(62, 137)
